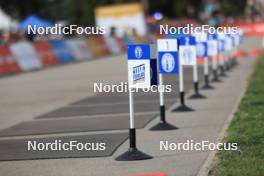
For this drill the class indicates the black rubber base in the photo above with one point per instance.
(222, 72)
(215, 77)
(133, 154)
(208, 87)
(183, 108)
(162, 126)
(216, 80)
(197, 96)
(234, 62)
(223, 75)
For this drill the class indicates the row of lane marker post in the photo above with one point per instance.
(173, 55)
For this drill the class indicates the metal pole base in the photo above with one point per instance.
(163, 126)
(183, 108)
(133, 154)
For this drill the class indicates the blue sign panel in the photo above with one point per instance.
(212, 36)
(138, 52)
(168, 62)
(153, 72)
(201, 49)
(221, 46)
(186, 40)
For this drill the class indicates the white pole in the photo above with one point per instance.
(214, 62)
(131, 109)
(195, 73)
(181, 78)
(161, 92)
(206, 66)
(222, 59)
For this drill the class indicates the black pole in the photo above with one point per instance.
(182, 98)
(162, 114)
(196, 88)
(206, 81)
(163, 124)
(215, 76)
(227, 66)
(132, 138)
(196, 94)
(222, 70)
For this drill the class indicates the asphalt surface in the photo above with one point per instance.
(96, 113)
(38, 98)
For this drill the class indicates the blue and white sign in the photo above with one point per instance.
(168, 56)
(221, 46)
(187, 50)
(139, 66)
(212, 45)
(201, 49)
(140, 51)
(168, 62)
(221, 42)
(201, 44)
(228, 42)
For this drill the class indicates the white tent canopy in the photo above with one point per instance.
(6, 22)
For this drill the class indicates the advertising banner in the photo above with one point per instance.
(62, 51)
(26, 56)
(79, 49)
(112, 45)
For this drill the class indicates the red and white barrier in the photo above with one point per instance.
(112, 45)
(45, 53)
(26, 56)
(79, 49)
(8, 64)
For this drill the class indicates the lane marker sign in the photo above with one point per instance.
(168, 64)
(139, 77)
(139, 66)
(187, 57)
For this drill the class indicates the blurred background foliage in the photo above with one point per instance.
(81, 12)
